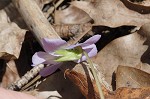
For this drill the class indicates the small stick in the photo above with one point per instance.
(35, 20)
(25, 79)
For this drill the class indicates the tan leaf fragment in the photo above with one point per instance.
(142, 2)
(139, 7)
(11, 38)
(71, 15)
(10, 75)
(44, 94)
(112, 13)
(131, 77)
(131, 93)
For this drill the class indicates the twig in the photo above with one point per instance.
(26, 78)
(35, 19)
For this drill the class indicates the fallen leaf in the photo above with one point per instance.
(129, 50)
(138, 7)
(11, 38)
(10, 74)
(131, 93)
(140, 2)
(145, 31)
(71, 15)
(44, 94)
(131, 77)
(112, 13)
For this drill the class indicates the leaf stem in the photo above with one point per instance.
(95, 76)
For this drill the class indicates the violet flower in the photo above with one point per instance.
(51, 46)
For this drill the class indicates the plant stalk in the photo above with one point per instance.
(95, 76)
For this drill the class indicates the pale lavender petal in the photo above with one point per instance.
(93, 39)
(73, 46)
(91, 50)
(49, 70)
(42, 57)
(50, 45)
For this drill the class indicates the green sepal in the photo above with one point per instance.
(69, 54)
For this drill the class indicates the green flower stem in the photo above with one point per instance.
(95, 76)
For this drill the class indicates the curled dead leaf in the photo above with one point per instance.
(112, 13)
(140, 2)
(131, 77)
(11, 38)
(71, 15)
(137, 7)
(10, 74)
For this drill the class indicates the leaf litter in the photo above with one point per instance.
(123, 61)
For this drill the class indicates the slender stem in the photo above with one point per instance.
(95, 76)
(32, 82)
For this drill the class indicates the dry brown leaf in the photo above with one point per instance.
(44, 94)
(86, 85)
(137, 6)
(11, 38)
(128, 50)
(131, 93)
(89, 89)
(4, 3)
(142, 2)
(71, 15)
(145, 30)
(112, 13)
(10, 74)
(131, 77)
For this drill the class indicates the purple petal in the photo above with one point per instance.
(90, 41)
(91, 50)
(43, 58)
(93, 39)
(73, 46)
(49, 70)
(50, 45)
